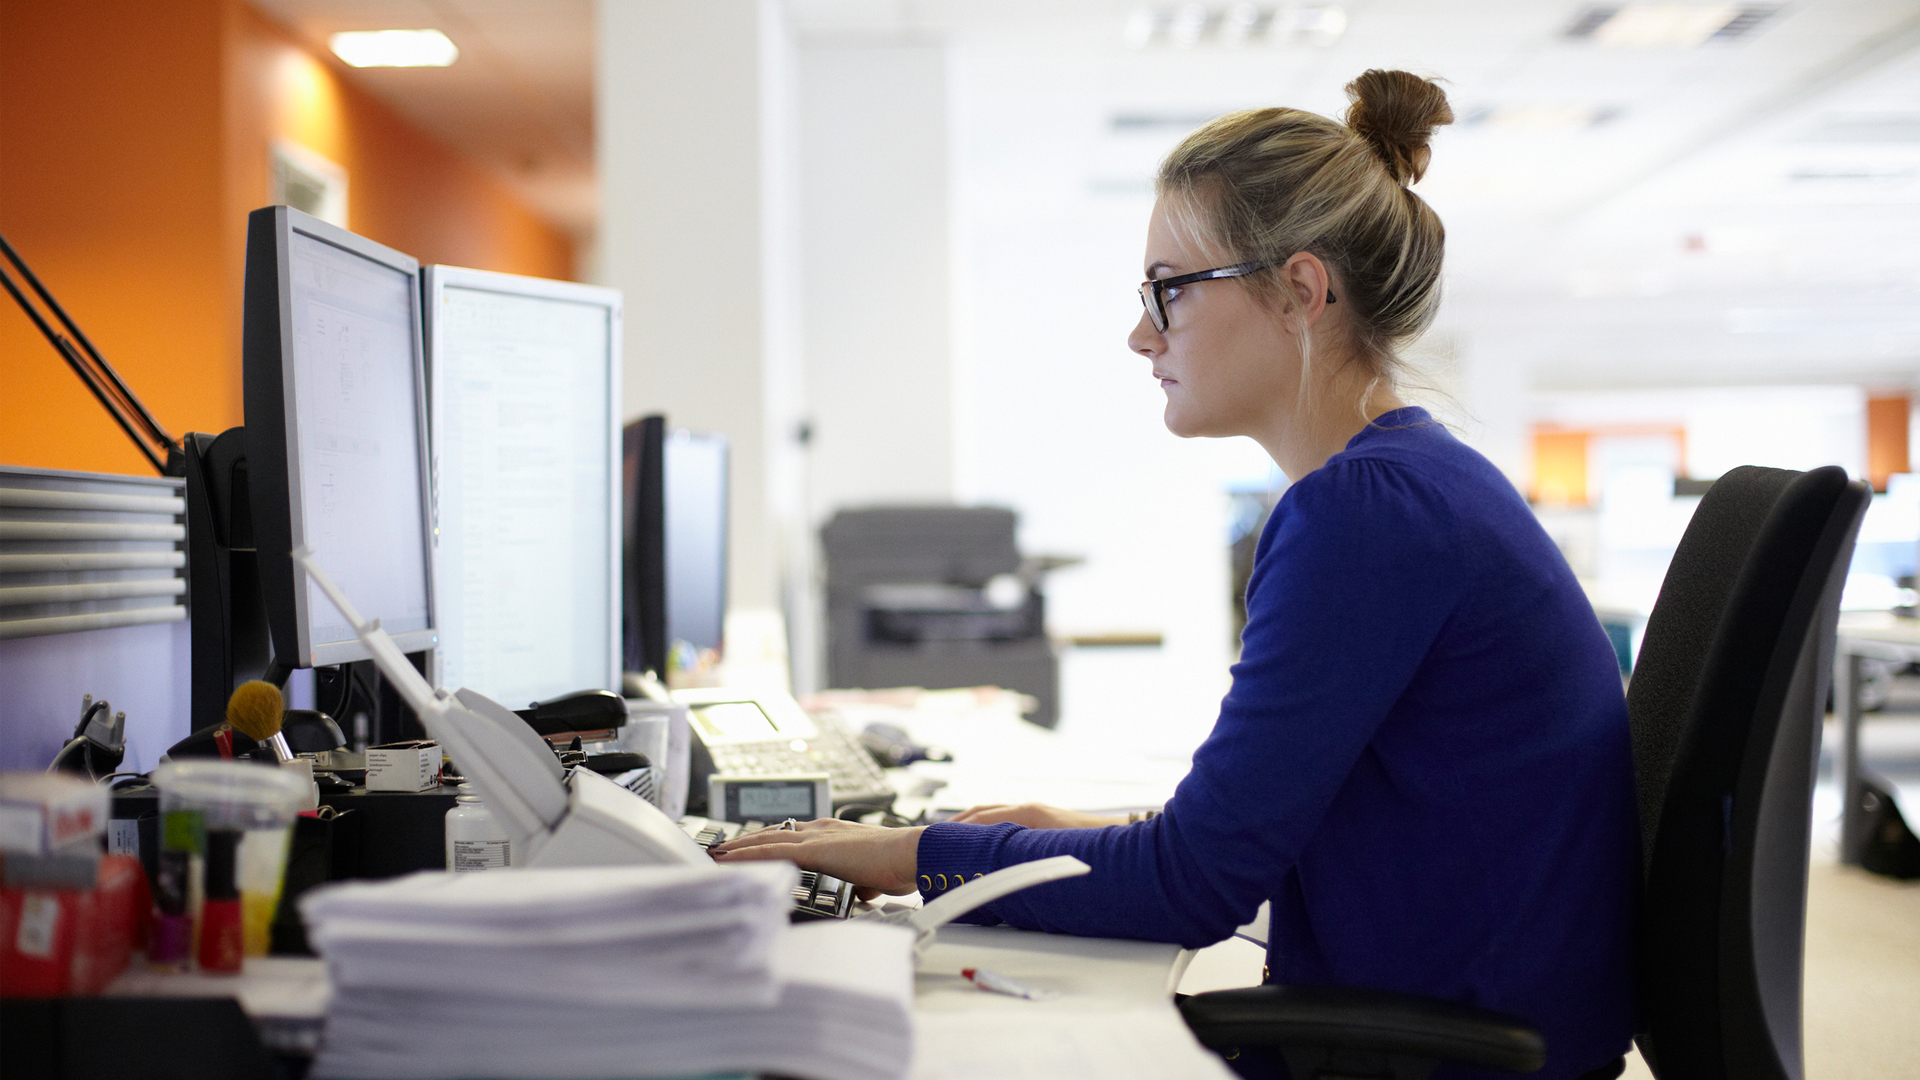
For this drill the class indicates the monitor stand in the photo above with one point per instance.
(225, 608)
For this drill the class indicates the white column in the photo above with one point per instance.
(690, 106)
(877, 283)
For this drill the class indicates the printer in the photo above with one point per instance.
(938, 597)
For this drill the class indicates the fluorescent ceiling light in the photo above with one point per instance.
(1652, 26)
(395, 48)
(1186, 25)
(1540, 116)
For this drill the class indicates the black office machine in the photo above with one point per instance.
(908, 603)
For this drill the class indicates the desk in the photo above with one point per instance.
(1113, 1019)
(1862, 635)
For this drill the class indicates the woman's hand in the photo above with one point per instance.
(877, 860)
(1035, 816)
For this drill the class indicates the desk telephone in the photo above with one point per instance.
(736, 734)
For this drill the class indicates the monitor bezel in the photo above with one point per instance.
(438, 278)
(273, 434)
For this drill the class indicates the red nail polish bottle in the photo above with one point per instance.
(222, 943)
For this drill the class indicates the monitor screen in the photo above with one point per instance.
(335, 434)
(525, 378)
(696, 538)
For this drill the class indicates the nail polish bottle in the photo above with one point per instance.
(171, 944)
(222, 941)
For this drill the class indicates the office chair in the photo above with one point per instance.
(1725, 706)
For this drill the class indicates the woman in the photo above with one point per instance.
(1423, 762)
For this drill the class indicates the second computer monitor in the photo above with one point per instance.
(524, 378)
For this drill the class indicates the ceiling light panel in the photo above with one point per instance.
(1186, 26)
(1665, 26)
(394, 48)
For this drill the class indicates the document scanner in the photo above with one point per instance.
(557, 816)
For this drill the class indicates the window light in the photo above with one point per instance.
(395, 48)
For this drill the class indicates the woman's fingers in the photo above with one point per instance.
(972, 815)
(743, 849)
(871, 857)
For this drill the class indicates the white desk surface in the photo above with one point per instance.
(1113, 1018)
(1878, 627)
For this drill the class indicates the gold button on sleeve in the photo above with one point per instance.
(926, 883)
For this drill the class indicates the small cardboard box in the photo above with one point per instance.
(42, 813)
(403, 766)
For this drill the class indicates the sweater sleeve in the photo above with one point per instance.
(1357, 572)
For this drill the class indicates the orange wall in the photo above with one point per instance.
(1560, 459)
(110, 187)
(133, 141)
(1887, 451)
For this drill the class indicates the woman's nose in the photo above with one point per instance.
(1145, 340)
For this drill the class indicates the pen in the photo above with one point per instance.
(987, 979)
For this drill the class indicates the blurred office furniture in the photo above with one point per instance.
(93, 589)
(1725, 705)
(1863, 636)
(908, 604)
(89, 551)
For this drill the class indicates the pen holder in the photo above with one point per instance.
(241, 815)
(660, 730)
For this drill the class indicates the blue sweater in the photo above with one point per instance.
(1423, 763)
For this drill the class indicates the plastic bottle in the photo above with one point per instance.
(475, 841)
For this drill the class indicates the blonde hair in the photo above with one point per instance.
(1264, 184)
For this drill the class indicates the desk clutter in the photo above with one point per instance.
(630, 971)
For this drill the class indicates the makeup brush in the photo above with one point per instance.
(255, 710)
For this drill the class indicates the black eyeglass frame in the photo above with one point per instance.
(1153, 292)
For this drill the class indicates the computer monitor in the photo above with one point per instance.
(335, 434)
(643, 512)
(695, 467)
(524, 384)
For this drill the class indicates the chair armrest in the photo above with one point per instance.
(1383, 1022)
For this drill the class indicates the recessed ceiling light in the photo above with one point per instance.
(1186, 25)
(1665, 25)
(395, 48)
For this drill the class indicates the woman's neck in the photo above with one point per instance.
(1322, 426)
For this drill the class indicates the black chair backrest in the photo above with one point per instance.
(1726, 704)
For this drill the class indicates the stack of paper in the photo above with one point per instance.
(634, 972)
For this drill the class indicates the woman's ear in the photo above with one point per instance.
(1305, 283)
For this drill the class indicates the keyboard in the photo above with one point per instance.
(816, 896)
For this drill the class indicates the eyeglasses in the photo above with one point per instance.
(1153, 294)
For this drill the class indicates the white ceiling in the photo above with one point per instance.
(1748, 209)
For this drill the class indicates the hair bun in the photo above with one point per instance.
(1396, 112)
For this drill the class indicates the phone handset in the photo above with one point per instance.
(924, 921)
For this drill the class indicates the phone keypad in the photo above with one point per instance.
(856, 776)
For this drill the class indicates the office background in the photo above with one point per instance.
(888, 248)
(907, 233)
